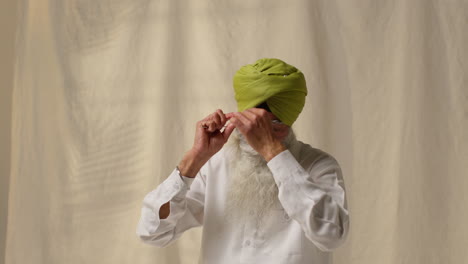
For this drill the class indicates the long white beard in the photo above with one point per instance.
(252, 190)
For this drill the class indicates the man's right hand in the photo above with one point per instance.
(208, 140)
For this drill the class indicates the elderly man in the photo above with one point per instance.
(262, 198)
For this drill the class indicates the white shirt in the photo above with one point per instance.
(310, 219)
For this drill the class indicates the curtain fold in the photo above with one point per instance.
(107, 93)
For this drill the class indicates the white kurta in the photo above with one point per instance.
(310, 219)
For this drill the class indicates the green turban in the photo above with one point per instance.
(275, 82)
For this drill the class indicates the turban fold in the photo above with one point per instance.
(275, 82)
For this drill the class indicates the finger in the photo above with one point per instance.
(258, 112)
(222, 117)
(229, 115)
(265, 117)
(235, 122)
(242, 117)
(204, 123)
(240, 123)
(225, 125)
(210, 123)
(262, 117)
(217, 120)
(207, 125)
(228, 131)
(251, 115)
(249, 121)
(212, 126)
(201, 127)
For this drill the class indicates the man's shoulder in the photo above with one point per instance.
(308, 155)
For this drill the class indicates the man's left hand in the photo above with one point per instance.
(255, 124)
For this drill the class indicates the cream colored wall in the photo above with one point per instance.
(7, 28)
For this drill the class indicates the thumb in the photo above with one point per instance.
(228, 131)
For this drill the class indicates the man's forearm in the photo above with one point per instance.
(191, 164)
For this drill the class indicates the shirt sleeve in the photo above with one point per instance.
(186, 204)
(314, 197)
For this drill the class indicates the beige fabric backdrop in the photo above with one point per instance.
(7, 30)
(106, 94)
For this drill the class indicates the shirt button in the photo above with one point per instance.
(176, 185)
(286, 216)
(247, 242)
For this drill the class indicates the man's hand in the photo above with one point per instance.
(208, 136)
(255, 125)
(208, 140)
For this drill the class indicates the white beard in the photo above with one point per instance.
(252, 190)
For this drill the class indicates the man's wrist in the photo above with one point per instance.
(191, 164)
(187, 180)
(272, 150)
